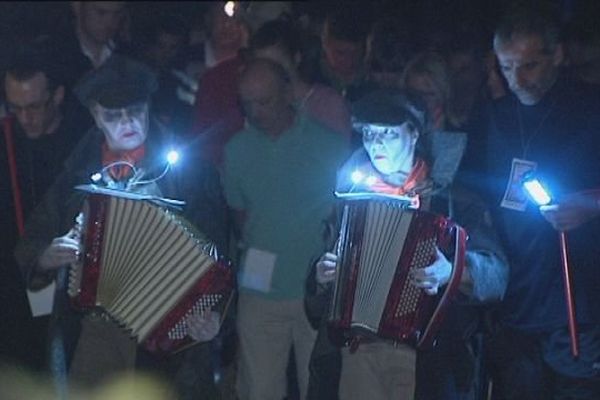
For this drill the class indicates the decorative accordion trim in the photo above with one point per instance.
(381, 242)
(148, 268)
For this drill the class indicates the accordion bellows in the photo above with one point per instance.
(380, 243)
(148, 269)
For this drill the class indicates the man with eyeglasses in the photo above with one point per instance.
(399, 157)
(126, 137)
(37, 134)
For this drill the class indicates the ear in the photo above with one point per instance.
(559, 55)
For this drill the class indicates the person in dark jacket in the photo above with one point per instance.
(43, 124)
(401, 159)
(117, 95)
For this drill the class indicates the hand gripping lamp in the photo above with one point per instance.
(538, 193)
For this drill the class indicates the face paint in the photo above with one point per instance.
(390, 147)
(124, 128)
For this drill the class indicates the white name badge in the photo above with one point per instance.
(257, 270)
(515, 197)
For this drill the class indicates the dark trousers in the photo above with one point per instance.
(519, 371)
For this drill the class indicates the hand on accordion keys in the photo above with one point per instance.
(431, 278)
(62, 251)
(204, 327)
(326, 268)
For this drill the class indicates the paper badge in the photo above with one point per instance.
(515, 197)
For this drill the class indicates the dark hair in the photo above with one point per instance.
(392, 45)
(276, 33)
(529, 19)
(275, 68)
(171, 24)
(348, 24)
(37, 56)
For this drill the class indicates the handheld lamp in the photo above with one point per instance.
(536, 191)
(541, 197)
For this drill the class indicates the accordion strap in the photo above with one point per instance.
(7, 127)
(458, 265)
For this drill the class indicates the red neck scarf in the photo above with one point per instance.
(121, 171)
(417, 175)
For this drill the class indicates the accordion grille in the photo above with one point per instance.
(409, 299)
(149, 259)
(207, 302)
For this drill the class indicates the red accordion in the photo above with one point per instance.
(147, 268)
(380, 242)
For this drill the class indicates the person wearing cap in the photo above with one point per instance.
(404, 159)
(117, 95)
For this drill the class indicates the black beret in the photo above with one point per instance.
(118, 83)
(388, 107)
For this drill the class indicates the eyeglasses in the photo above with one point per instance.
(384, 132)
(112, 115)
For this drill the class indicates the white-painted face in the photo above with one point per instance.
(391, 148)
(124, 128)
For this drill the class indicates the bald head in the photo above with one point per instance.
(266, 96)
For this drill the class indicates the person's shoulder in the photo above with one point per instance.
(317, 128)
(84, 150)
(583, 92)
(230, 67)
(241, 140)
(503, 103)
(328, 93)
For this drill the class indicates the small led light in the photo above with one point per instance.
(96, 177)
(172, 157)
(229, 8)
(537, 192)
(371, 180)
(357, 177)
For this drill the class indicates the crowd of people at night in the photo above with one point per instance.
(285, 115)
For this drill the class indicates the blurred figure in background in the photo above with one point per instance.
(343, 63)
(161, 44)
(427, 76)
(391, 46)
(279, 42)
(582, 49)
(217, 114)
(43, 125)
(93, 37)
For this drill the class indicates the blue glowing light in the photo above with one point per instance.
(357, 177)
(537, 192)
(371, 180)
(96, 177)
(229, 8)
(172, 157)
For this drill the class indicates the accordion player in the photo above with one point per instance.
(381, 241)
(146, 267)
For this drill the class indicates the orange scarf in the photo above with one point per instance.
(121, 172)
